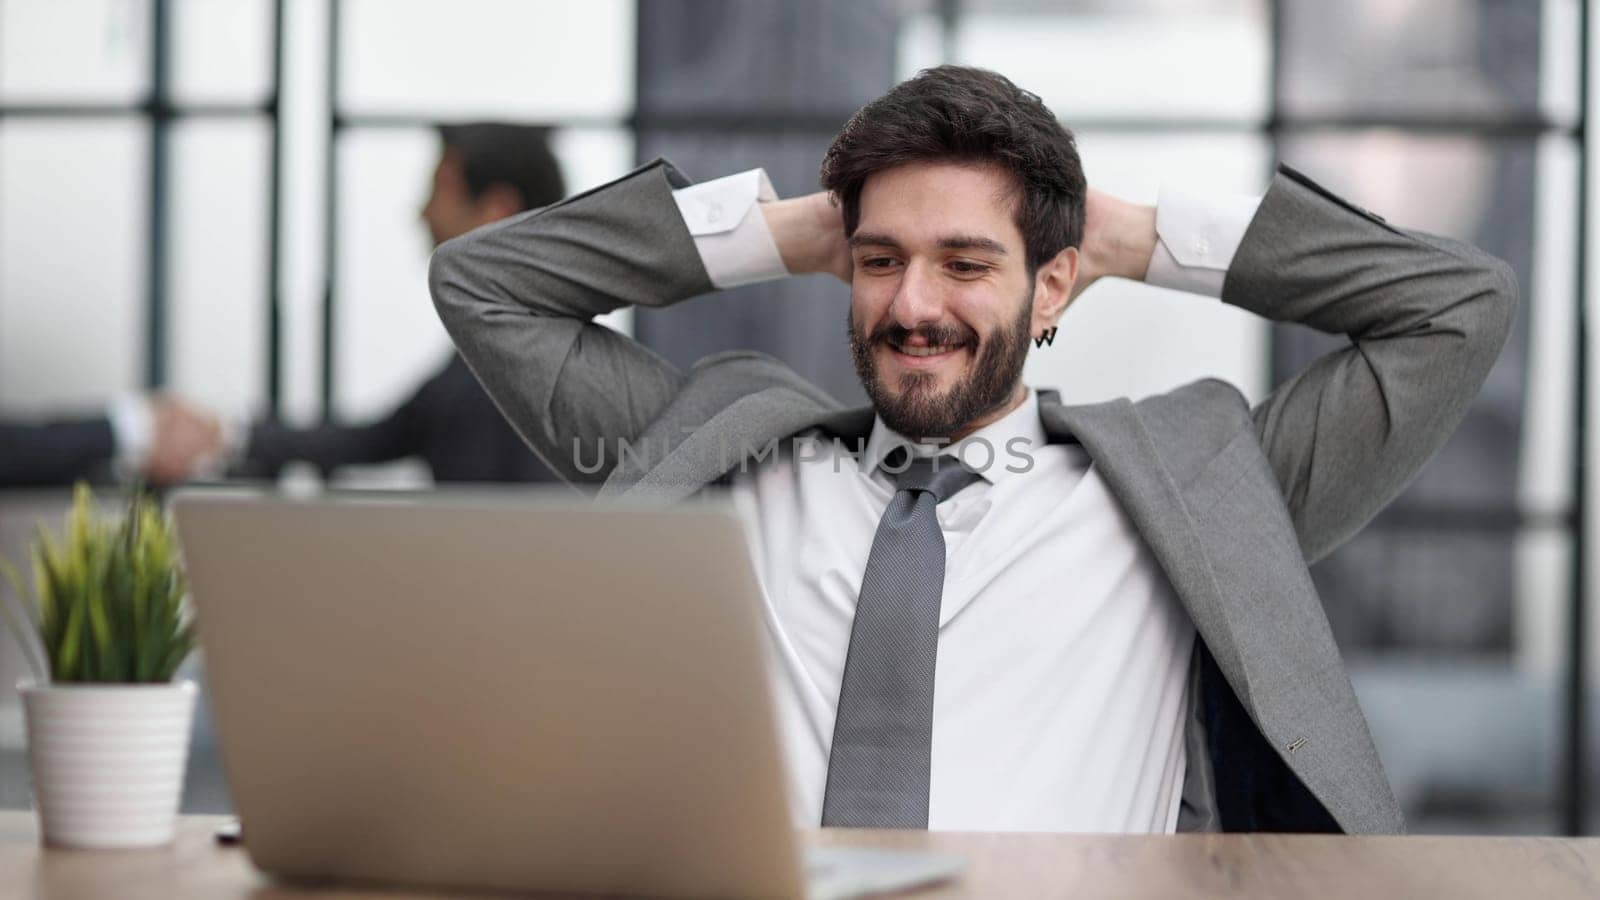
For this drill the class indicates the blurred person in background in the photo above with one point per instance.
(161, 440)
(485, 172)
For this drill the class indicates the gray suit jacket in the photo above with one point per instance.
(1234, 501)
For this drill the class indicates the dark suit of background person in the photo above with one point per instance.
(55, 452)
(449, 422)
(486, 172)
(161, 440)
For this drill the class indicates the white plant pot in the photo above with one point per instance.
(108, 760)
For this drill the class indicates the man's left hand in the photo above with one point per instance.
(1118, 239)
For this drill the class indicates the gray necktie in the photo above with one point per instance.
(878, 767)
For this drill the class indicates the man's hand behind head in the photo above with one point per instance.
(809, 232)
(1118, 238)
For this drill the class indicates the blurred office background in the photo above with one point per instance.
(219, 198)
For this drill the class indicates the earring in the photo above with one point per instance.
(1048, 336)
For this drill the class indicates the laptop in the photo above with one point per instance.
(521, 691)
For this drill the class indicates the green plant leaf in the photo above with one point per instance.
(109, 594)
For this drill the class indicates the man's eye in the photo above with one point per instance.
(878, 262)
(962, 267)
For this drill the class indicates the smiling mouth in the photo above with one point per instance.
(926, 357)
(924, 350)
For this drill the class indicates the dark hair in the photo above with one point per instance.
(517, 156)
(968, 115)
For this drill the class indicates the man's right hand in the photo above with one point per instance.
(183, 438)
(809, 232)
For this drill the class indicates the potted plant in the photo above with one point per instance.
(104, 632)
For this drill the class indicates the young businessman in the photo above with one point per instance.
(1110, 630)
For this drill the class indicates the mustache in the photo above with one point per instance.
(941, 335)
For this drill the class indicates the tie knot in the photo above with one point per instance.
(943, 476)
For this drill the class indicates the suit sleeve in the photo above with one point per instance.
(519, 298)
(273, 445)
(1426, 318)
(54, 453)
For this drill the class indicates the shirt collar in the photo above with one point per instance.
(999, 444)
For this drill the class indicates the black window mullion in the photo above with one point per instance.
(331, 218)
(274, 295)
(1574, 777)
(155, 372)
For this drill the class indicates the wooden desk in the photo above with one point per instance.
(999, 865)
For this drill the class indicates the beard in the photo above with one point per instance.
(918, 410)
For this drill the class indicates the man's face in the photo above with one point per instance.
(451, 209)
(942, 304)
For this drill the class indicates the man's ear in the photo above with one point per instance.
(1052, 288)
(497, 202)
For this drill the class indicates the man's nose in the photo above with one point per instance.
(916, 301)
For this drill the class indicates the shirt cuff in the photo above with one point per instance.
(1198, 236)
(132, 428)
(729, 232)
(235, 438)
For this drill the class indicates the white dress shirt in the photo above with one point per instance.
(1061, 685)
(133, 433)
